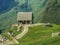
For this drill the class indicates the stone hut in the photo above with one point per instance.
(25, 18)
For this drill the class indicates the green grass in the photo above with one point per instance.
(40, 35)
(18, 32)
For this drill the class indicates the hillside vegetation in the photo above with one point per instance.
(41, 35)
(52, 12)
(9, 16)
(6, 5)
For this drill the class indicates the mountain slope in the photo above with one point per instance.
(52, 12)
(10, 17)
(6, 5)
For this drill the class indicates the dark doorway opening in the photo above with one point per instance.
(23, 22)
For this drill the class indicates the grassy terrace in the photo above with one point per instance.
(18, 32)
(40, 35)
(15, 30)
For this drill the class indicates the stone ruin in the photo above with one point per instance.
(55, 34)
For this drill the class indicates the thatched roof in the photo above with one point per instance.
(24, 16)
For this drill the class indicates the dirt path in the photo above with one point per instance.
(26, 29)
(35, 24)
(18, 28)
(23, 32)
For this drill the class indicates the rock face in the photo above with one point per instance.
(52, 12)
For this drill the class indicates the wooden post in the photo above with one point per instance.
(26, 22)
(30, 22)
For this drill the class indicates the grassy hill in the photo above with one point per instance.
(41, 35)
(9, 16)
(52, 12)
